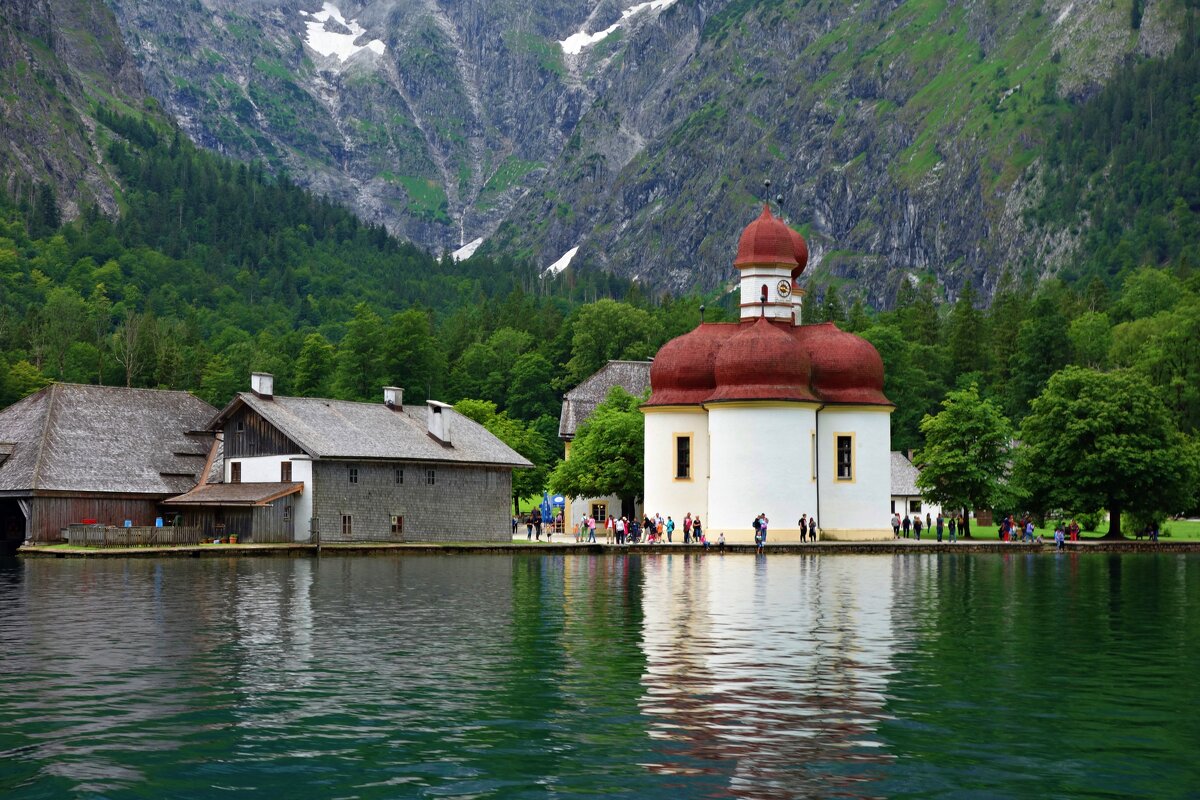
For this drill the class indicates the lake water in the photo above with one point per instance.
(673, 676)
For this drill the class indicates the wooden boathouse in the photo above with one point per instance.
(73, 453)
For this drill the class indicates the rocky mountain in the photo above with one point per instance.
(634, 137)
(59, 59)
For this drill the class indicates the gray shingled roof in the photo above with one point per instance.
(904, 476)
(345, 429)
(580, 402)
(76, 438)
(235, 494)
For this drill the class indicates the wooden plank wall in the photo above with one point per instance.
(257, 437)
(52, 514)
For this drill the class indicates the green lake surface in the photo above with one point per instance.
(580, 676)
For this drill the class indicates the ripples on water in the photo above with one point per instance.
(680, 676)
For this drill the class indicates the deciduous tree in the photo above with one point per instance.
(1105, 440)
(966, 452)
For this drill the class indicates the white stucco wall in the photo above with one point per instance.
(265, 469)
(761, 462)
(859, 508)
(665, 494)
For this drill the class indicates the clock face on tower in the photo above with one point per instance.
(784, 288)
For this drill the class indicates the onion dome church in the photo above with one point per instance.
(770, 416)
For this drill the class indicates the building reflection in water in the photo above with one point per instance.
(770, 672)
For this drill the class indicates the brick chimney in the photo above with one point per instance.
(262, 384)
(439, 421)
(393, 398)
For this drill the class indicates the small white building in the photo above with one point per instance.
(906, 497)
(767, 415)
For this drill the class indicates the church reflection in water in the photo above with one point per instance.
(773, 687)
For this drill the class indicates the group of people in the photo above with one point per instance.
(913, 525)
(534, 522)
(655, 529)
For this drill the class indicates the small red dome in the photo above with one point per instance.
(682, 372)
(766, 240)
(762, 362)
(800, 251)
(845, 368)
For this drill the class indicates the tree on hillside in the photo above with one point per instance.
(966, 453)
(1105, 440)
(607, 454)
(606, 330)
(520, 437)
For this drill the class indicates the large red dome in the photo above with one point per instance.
(766, 240)
(762, 362)
(683, 369)
(845, 368)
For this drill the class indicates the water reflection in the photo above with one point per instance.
(769, 672)
(675, 675)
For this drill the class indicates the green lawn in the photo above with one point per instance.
(1172, 529)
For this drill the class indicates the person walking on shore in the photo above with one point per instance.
(953, 528)
(907, 525)
(763, 526)
(804, 528)
(916, 525)
(609, 530)
(940, 522)
(591, 526)
(687, 528)
(895, 524)
(670, 528)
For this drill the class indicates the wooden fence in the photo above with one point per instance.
(142, 536)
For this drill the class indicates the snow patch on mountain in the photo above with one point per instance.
(467, 250)
(562, 263)
(573, 45)
(333, 42)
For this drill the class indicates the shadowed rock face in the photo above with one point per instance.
(60, 57)
(903, 136)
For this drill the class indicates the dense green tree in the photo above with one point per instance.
(605, 330)
(607, 454)
(531, 392)
(965, 460)
(314, 367)
(520, 437)
(358, 373)
(414, 360)
(1105, 440)
(964, 332)
(1091, 338)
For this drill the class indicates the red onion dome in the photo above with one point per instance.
(762, 362)
(800, 251)
(766, 240)
(845, 368)
(682, 371)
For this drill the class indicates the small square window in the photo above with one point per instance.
(285, 472)
(354, 474)
(397, 525)
(235, 472)
(430, 477)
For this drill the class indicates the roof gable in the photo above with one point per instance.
(580, 402)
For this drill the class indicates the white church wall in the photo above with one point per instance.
(666, 494)
(761, 463)
(858, 508)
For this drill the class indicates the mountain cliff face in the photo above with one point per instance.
(902, 137)
(59, 59)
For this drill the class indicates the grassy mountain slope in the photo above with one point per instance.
(900, 136)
